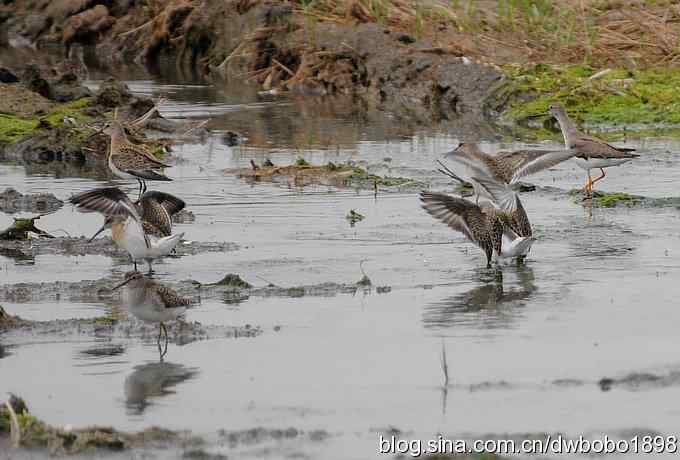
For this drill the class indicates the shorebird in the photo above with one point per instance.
(505, 168)
(589, 153)
(494, 230)
(156, 210)
(142, 239)
(152, 302)
(131, 161)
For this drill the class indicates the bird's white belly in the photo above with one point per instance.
(133, 242)
(594, 163)
(142, 307)
(146, 311)
(515, 248)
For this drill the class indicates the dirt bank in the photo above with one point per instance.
(274, 45)
(423, 61)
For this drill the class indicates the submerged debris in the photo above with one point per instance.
(353, 217)
(302, 174)
(12, 201)
(232, 280)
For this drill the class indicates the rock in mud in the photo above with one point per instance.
(12, 202)
(6, 76)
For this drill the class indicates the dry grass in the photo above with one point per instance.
(630, 33)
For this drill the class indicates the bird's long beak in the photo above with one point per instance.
(121, 284)
(98, 232)
(96, 133)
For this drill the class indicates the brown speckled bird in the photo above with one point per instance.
(152, 302)
(131, 161)
(589, 152)
(494, 230)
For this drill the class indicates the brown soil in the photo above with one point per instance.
(424, 60)
(274, 45)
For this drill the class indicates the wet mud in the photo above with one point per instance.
(12, 201)
(81, 246)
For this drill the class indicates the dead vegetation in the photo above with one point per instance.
(615, 32)
(302, 174)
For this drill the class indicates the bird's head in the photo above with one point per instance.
(130, 277)
(556, 109)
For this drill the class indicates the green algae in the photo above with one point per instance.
(14, 128)
(232, 280)
(610, 200)
(614, 199)
(616, 97)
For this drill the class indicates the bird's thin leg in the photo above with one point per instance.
(158, 341)
(588, 188)
(599, 178)
(150, 268)
(165, 331)
(143, 186)
(139, 194)
(134, 262)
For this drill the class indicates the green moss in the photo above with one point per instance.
(610, 200)
(301, 162)
(234, 281)
(34, 432)
(71, 110)
(13, 128)
(650, 96)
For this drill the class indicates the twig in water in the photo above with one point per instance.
(445, 365)
(365, 280)
(14, 429)
(267, 281)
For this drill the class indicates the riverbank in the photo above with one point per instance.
(424, 62)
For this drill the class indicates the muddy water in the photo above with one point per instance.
(526, 346)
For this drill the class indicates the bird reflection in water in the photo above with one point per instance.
(153, 380)
(489, 305)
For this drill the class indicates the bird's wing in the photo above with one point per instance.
(595, 148)
(110, 201)
(471, 162)
(153, 230)
(498, 193)
(170, 298)
(139, 157)
(526, 162)
(170, 203)
(457, 213)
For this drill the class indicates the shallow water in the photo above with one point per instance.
(526, 346)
